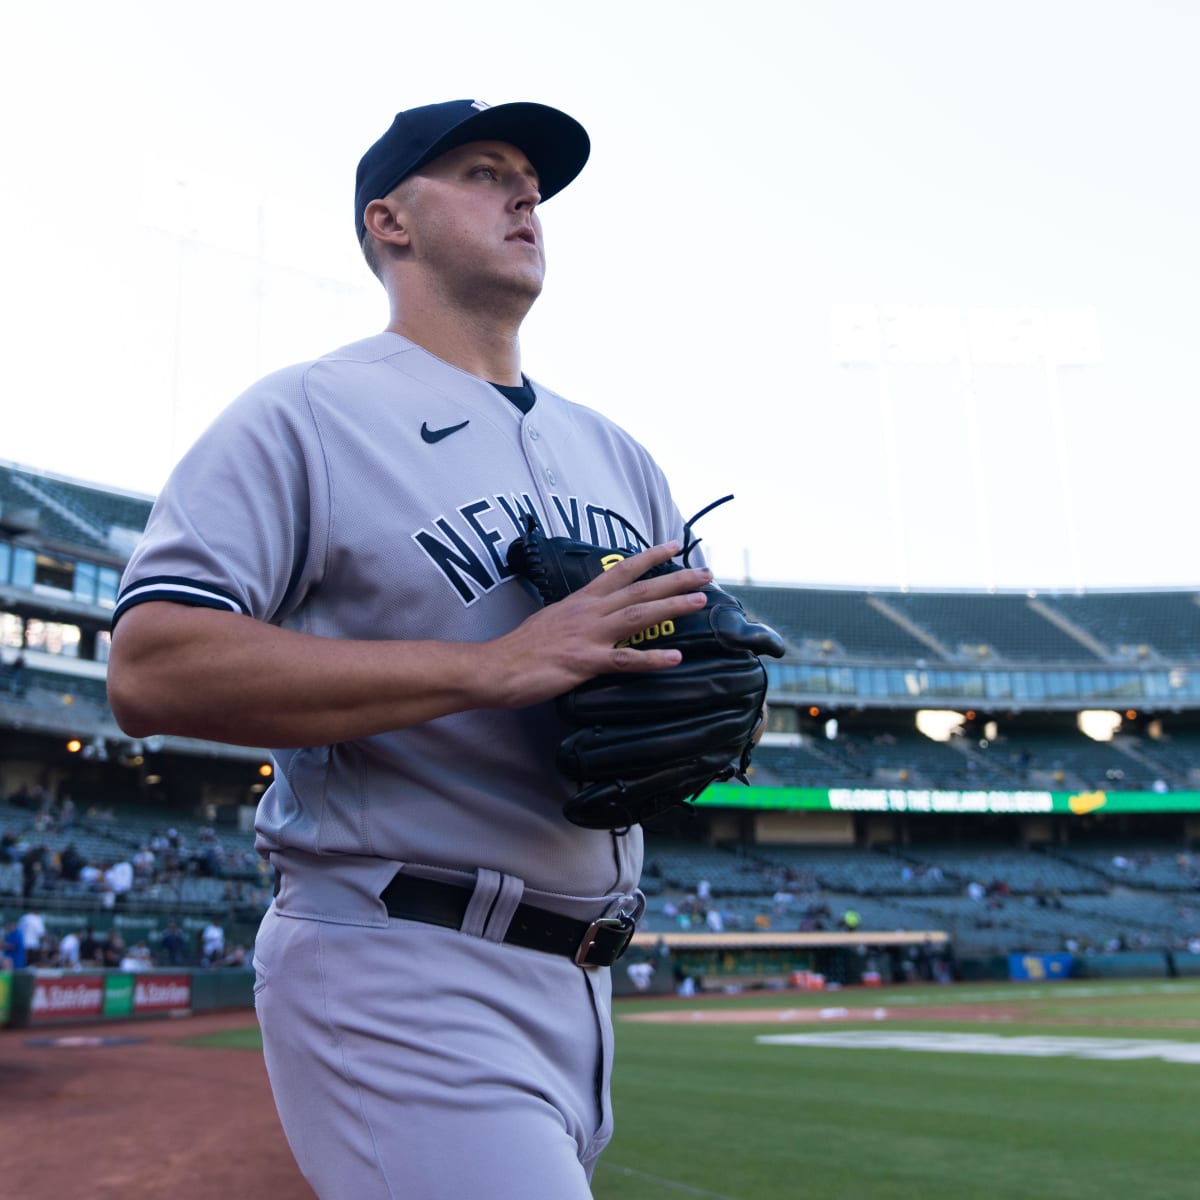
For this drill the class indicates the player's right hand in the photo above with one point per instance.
(580, 636)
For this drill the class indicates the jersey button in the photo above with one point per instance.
(533, 433)
(551, 477)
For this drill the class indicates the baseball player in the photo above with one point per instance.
(325, 573)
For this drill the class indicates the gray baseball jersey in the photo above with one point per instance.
(372, 494)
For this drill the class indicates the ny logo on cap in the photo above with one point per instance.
(479, 105)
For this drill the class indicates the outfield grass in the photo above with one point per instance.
(706, 1112)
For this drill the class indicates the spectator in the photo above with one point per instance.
(70, 863)
(212, 942)
(137, 959)
(69, 950)
(119, 878)
(235, 958)
(112, 952)
(32, 866)
(14, 945)
(33, 933)
(89, 948)
(640, 974)
(143, 864)
(171, 946)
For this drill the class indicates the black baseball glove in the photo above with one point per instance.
(641, 743)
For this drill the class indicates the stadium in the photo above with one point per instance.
(917, 283)
(926, 810)
(961, 781)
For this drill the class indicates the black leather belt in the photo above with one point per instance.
(588, 943)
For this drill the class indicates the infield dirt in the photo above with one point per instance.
(136, 1120)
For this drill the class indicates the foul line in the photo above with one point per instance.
(659, 1181)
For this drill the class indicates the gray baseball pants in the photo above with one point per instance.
(413, 1062)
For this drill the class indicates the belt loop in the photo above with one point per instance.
(487, 887)
(511, 891)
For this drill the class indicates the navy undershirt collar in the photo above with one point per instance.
(523, 397)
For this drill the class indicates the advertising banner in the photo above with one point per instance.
(118, 995)
(1039, 967)
(161, 994)
(5, 997)
(58, 997)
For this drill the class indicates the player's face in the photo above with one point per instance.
(472, 220)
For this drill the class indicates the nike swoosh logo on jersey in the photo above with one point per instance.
(435, 435)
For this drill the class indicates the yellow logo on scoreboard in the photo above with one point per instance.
(1086, 802)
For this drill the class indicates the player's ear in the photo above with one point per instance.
(386, 222)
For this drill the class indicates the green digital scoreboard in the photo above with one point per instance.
(946, 801)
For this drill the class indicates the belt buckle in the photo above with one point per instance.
(622, 923)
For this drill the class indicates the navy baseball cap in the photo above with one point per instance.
(556, 145)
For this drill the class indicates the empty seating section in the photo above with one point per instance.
(1176, 753)
(1027, 872)
(50, 522)
(839, 623)
(800, 766)
(682, 866)
(906, 757)
(1072, 761)
(70, 513)
(1148, 867)
(100, 508)
(855, 871)
(55, 695)
(1005, 624)
(1166, 622)
(811, 617)
(1019, 760)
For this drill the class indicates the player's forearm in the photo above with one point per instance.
(199, 673)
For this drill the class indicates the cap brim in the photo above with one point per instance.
(556, 144)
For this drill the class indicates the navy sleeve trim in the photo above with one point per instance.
(178, 590)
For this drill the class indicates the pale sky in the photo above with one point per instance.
(964, 183)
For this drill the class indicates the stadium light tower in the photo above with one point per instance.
(916, 336)
(857, 341)
(1050, 338)
(946, 336)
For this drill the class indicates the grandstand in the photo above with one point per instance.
(1014, 831)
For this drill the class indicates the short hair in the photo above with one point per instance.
(370, 251)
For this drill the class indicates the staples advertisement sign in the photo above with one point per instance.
(161, 994)
(66, 998)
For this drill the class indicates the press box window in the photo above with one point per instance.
(54, 574)
(107, 583)
(23, 567)
(85, 582)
